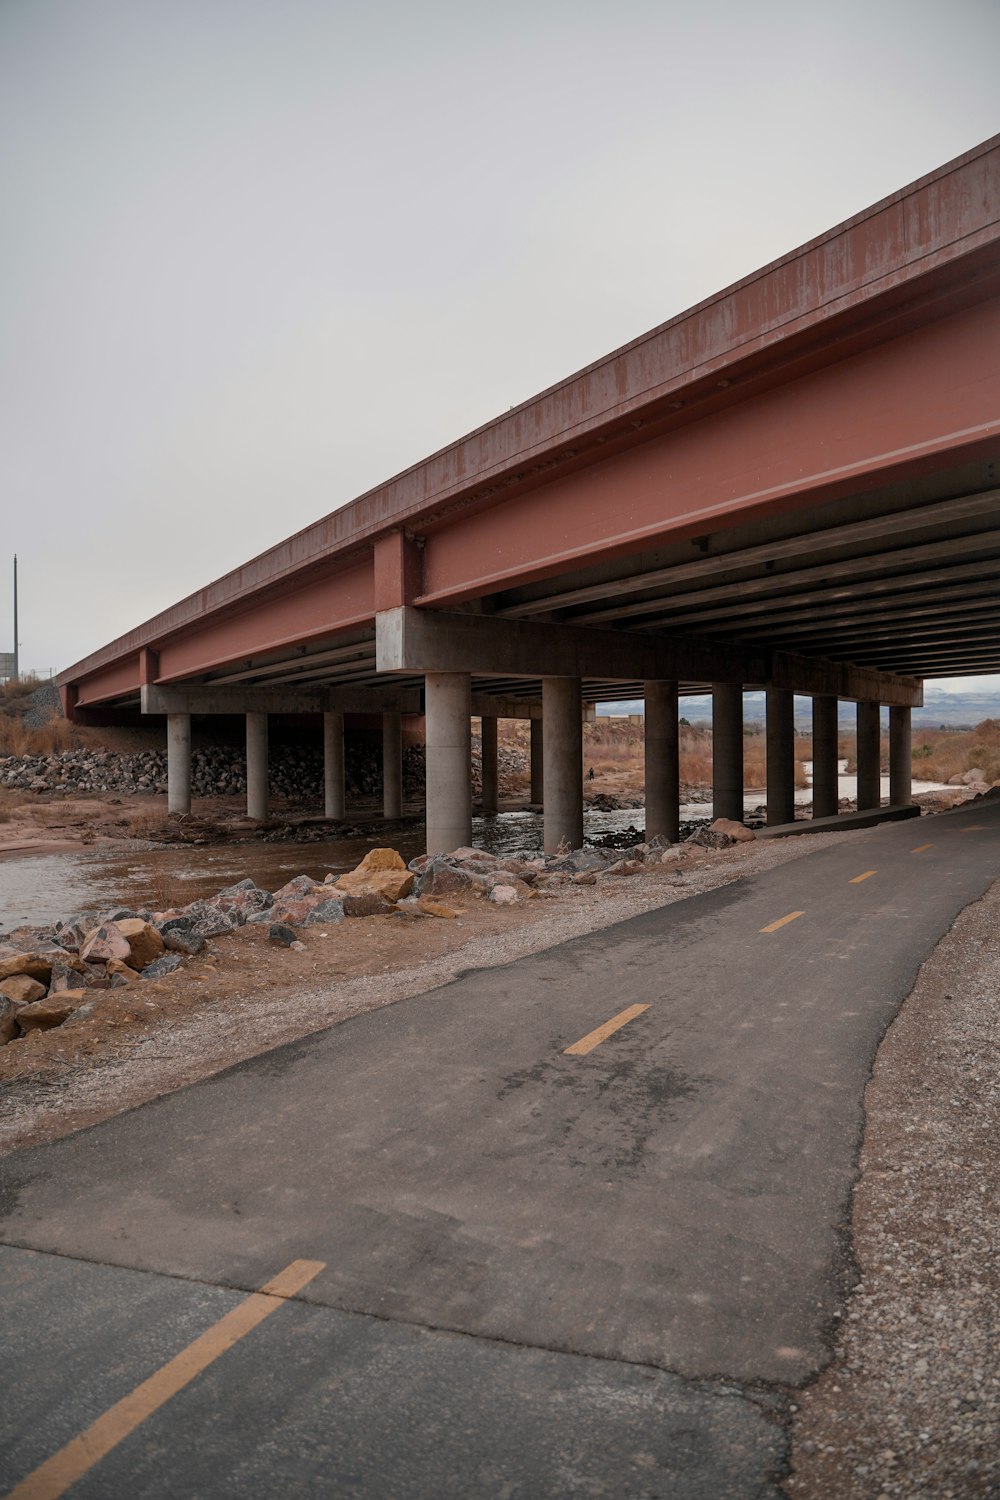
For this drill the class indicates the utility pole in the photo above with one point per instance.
(17, 670)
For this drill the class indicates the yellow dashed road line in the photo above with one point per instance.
(595, 1038)
(866, 876)
(54, 1477)
(921, 848)
(782, 921)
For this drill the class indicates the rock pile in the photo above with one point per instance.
(295, 772)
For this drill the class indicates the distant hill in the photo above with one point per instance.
(952, 710)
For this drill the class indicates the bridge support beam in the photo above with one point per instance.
(333, 763)
(178, 763)
(780, 756)
(662, 760)
(900, 757)
(826, 780)
(491, 789)
(869, 755)
(447, 701)
(392, 765)
(727, 750)
(562, 762)
(537, 793)
(257, 785)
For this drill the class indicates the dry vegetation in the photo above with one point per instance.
(614, 748)
(939, 754)
(19, 738)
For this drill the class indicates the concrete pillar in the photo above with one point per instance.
(392, 765)
(448, 707)
(727, 750)
(491, 785)
(562, 762)
(869, 753)
(826, 780)
(537, 762)
(900, 757)
(178, 763)
(780, 756)
(257, 787)
(333, 763)
(662, 761)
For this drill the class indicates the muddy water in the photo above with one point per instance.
(42, 888)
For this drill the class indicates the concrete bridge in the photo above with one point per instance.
(791, 486)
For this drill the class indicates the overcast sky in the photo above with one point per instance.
(257, 257)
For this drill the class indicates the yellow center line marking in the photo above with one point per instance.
(595, 1038)
(866, 876)
(54, 1477)
(782, 921)
(921, 848)
(973, 828)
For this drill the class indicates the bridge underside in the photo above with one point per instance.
(793, 486)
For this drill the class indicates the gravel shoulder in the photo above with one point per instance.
(910, 1405)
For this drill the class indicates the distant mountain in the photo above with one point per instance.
(950, 710)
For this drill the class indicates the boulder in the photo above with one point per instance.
(204, 919)
(585, 877)
(326, 911)
(736, 831)
(35, 965)
(381, 870)
(42, 1015)
(365, 903)
(177, 940)
(504, 895)
(117, 968)
(103, 943)
(378, 860)
(167, 963)
(9, 1028)
(443, 879)
(243, 900)
(22, 989)
(297, 889)
(144, 942)
(280, 934)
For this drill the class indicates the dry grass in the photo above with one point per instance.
(18, 738)
(939, 754)
(11, 802)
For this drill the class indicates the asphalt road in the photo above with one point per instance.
(504, 1268)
